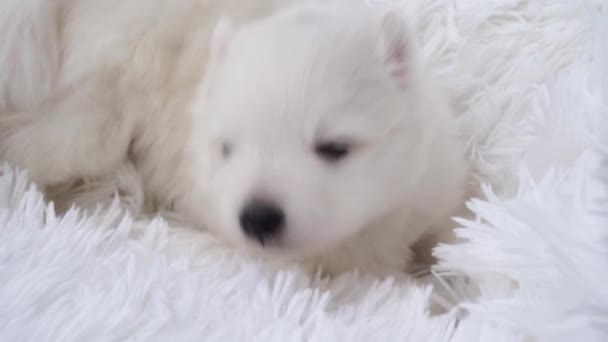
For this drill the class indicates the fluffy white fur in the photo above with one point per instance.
(29, 52)
(534, 260)
(161, 84)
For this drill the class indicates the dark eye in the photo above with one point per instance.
(332, 151)
(226, 150)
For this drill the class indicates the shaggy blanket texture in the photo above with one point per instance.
(532, 80)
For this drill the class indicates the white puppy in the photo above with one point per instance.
(315, 132)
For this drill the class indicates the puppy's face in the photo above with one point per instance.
(314, 130)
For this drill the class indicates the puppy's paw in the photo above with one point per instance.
(423, 248)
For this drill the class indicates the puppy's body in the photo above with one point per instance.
(126, 75)
(217, 118)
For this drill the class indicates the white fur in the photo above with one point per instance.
(92, 278)
(29, 51)
(163, 86)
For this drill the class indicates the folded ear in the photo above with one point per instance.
(394, 47)
(220, 38)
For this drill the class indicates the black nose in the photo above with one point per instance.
(262, 221)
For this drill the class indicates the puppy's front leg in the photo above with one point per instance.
(82, 132)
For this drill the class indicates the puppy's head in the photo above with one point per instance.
(315, 124)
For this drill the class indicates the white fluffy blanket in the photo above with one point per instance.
(534, 77)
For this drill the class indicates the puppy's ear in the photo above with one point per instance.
(220, 38)
(395, 47)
